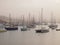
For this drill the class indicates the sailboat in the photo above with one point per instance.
(42, 29)
(21, 21)
(24, 27)
(53, 24)
(29, 22)
(33, 23)
(58, 29)
(10, 25)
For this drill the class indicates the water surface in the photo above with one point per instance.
(30, 37)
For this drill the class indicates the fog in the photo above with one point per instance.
(24, 7)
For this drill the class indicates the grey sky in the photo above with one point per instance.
(23, 7)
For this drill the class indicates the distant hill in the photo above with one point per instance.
(3, 19)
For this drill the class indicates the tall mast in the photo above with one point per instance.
(51, 17)
(33, 20)
(9, 19)
(23, 20)
(54, 21)
(41, 15)
(29, 19)
(39, 19)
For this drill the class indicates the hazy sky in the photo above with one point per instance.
(23, 7)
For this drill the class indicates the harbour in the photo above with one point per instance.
(29, 22)
(30, 37)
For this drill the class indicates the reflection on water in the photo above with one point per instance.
(30, 37)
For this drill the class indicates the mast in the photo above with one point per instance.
(33, 21)
(10, 20)
(29, 19)
(52, 18)
(41, 17)
(23, 20)
(54, 21)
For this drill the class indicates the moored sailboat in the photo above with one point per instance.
(53, 24)
(33, 23)
(10, 26)
(29, 22)
(43, 29)
(24, 27)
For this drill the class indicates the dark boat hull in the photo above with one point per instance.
(31, 26)
(11, 28)
(42, 31)
(53, 26)
(23, 29)
(57, 29)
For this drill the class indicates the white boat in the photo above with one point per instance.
(42, 29)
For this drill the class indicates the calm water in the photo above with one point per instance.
(30, 37)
